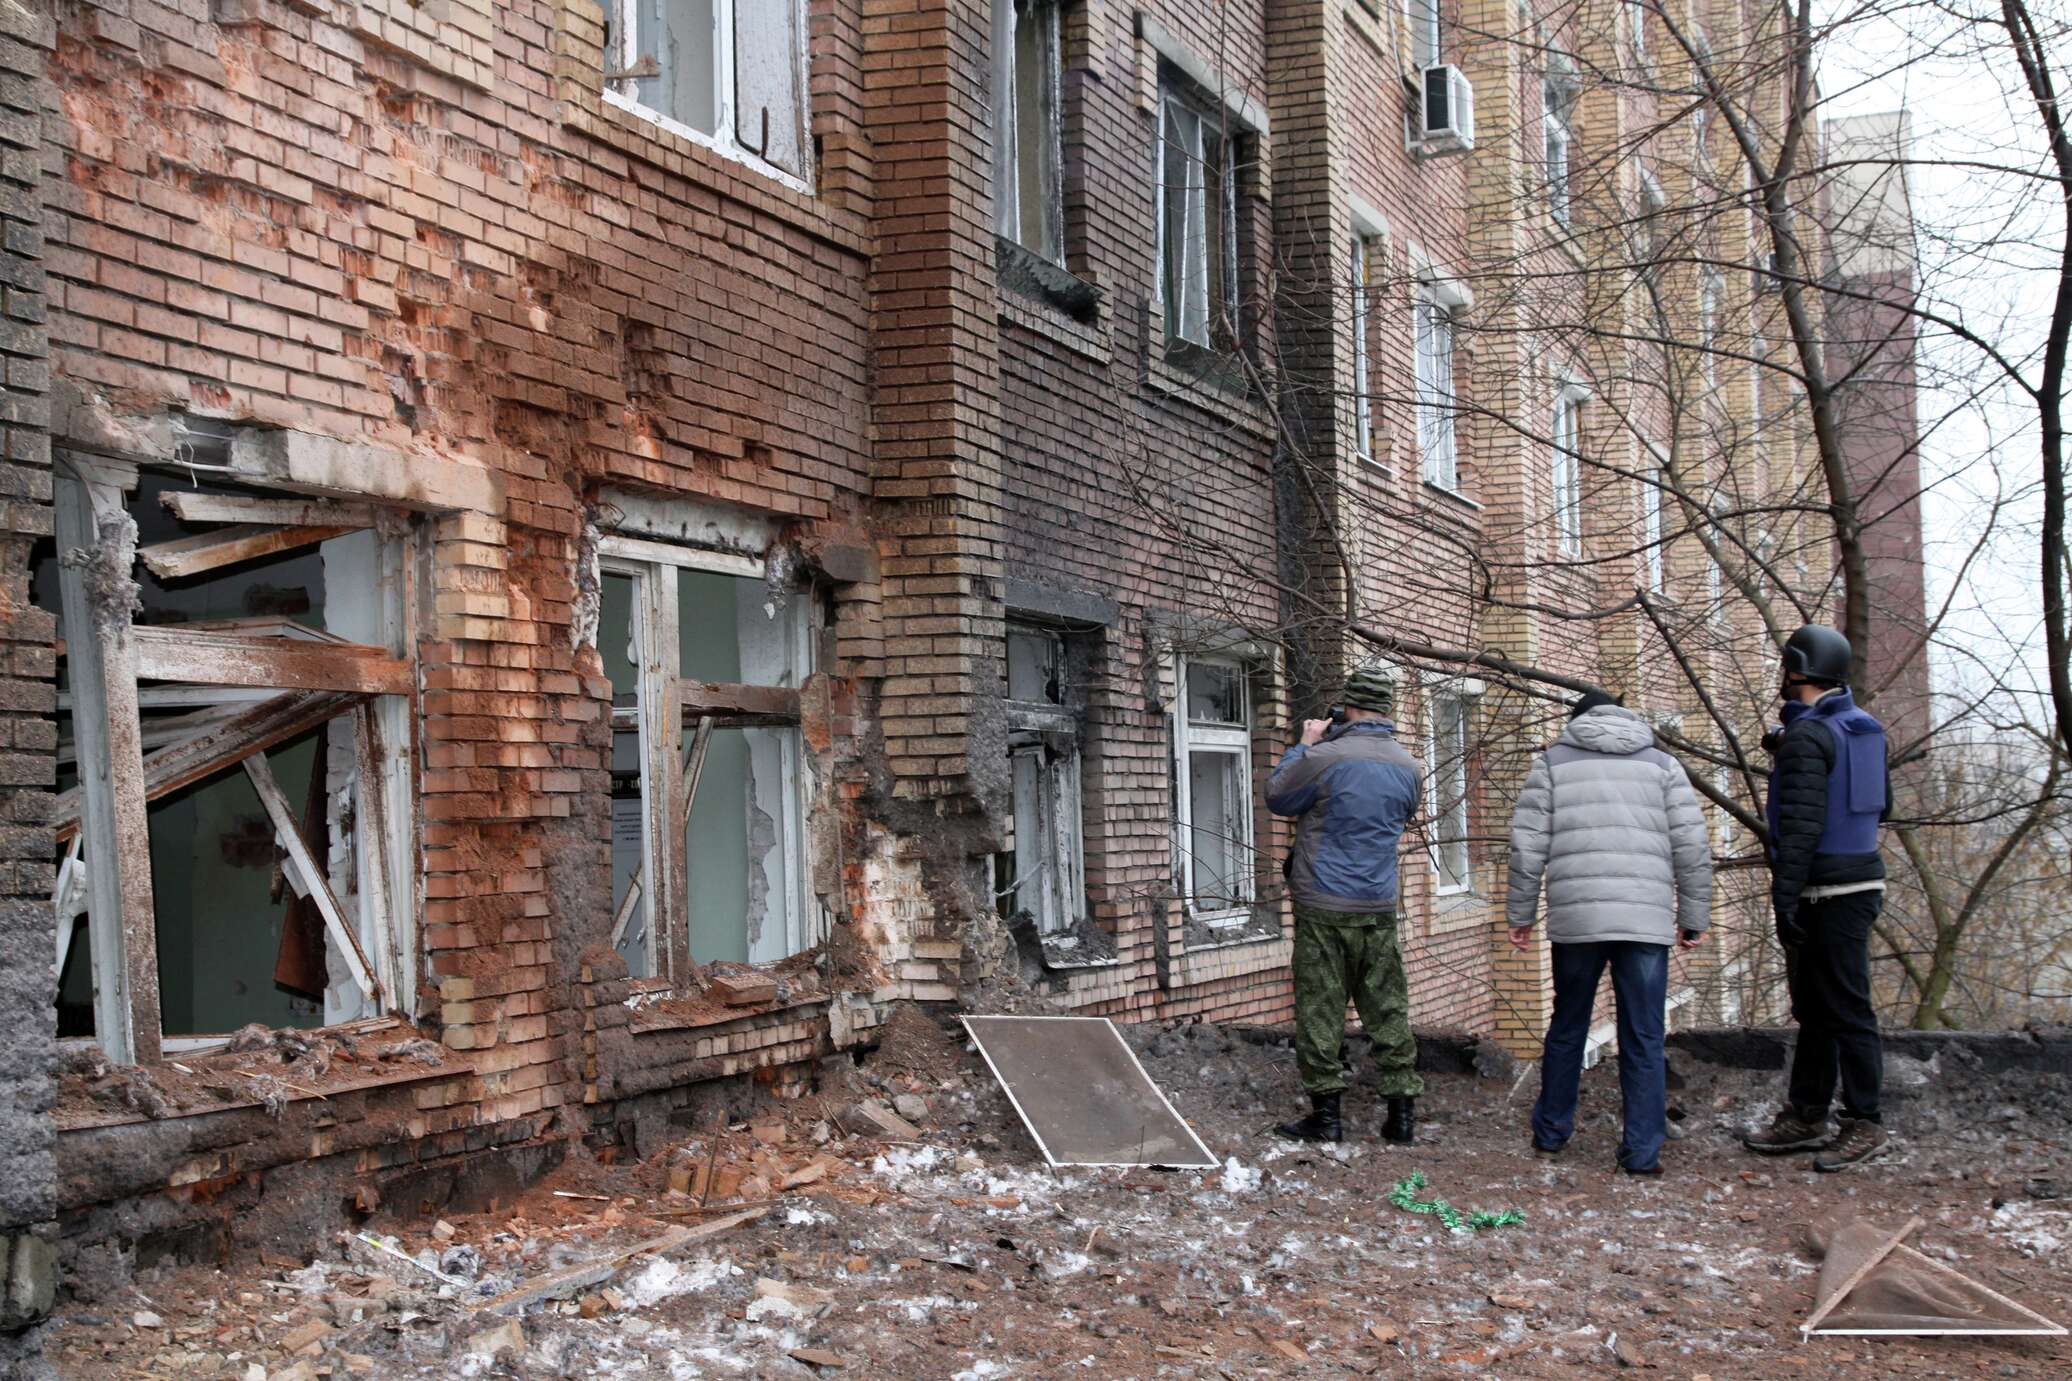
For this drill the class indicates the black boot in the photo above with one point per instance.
(1322, 1124)
(1401, 1125)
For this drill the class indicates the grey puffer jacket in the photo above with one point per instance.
(1610, 824)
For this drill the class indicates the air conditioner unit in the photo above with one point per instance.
(1448, 109)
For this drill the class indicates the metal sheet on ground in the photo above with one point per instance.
(1083, 1095)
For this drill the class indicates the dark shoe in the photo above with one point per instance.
(1401, 1124)
(1788, 1131)
(1322, 1124)
(1546, 1152)
(1652, 1171)
(1856, 1143)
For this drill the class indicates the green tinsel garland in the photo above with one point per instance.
(1404, 1196)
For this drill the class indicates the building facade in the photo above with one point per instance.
(567, 555)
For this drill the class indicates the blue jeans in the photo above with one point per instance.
(1640, 985)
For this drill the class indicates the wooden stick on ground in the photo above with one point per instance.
(603, 1269)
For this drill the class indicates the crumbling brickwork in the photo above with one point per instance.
(28, 734)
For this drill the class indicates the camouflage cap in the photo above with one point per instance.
(1372, 687)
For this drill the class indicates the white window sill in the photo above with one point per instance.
(724, 147)
(1452, 494)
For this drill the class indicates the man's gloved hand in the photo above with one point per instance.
(1789, 933)
(1772, 738)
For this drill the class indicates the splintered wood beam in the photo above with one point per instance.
(315, 885)
(208, 551)
(731, 705)
(693, 770)
(191, 507)
(96, 542)
(236, 659)
(222, 746)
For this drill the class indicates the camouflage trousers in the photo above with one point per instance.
(1343, 956)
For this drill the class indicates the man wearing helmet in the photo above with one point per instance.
(1352, 789)
(1828, 791)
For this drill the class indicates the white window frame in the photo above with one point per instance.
(1361, 268)
(1557, 97)
(1710, 285)
(1637, 29)
(1008, 150)
(1185, 120)
(1567, 453)
(1057, 823)
(1651, 496)
(1226, 740)
(665, 733)
(625, 52)
(1436, 310)
(1462, 694)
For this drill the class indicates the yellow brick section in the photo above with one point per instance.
(453, 37)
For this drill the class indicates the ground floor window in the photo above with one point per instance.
(1212, 737)
(1044, 875)
(708, 770)
(1449, 713)
(235, 822)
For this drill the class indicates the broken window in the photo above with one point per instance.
(1363, 395)
(1448, 756)
(1557, 104)
(235, 820)
(1044, 876)
(708, 769)
(1651, 500)
(1197, 218)
(1212, 726)
(729, 73)
(1028, 182)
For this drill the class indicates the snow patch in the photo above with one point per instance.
(665, 1279)
(2033, 1231)
(1239, 1178)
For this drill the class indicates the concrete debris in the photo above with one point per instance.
(823, 1358)
(781, 1297)
(911, 1106)
(873, 1114)
(505, 1341)
(461, 1262)
(144, 1318)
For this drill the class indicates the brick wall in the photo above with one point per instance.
(28, 736)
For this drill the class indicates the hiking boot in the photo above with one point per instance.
(1322, 1124)
(1857, 1142)
(1788, 1131)
(1540, 1152)
(1401, 1124)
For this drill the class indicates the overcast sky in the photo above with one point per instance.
(1987, 239)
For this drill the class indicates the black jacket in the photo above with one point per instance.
(1805, 754)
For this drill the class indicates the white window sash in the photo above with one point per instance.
(1448, 791)
(724, 139)
(1651, 521)
(1234, 742)
(1363, 406)
(1435, 393)
(1568, 473)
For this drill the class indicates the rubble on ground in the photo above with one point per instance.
(805, 1239)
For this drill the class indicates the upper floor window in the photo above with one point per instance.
(1422, 19)
(1028, 184)
(1363, 397)
(730, 74)
(1637, 27)
(1568, 472)
(1557, 105)
(1197, 218)
(1434, 391)
(1709, 285)
(1651, 499)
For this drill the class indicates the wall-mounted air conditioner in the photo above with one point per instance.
(1446, 111)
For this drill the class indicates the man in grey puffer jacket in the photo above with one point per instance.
(1610, 824)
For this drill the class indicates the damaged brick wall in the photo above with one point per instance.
(28, 736)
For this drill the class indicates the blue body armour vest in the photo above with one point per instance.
(1855, 784)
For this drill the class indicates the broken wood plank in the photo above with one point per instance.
(733, 705)
(233, 659)
(67, 900)
(742, 989)
(693, 772)
(230, 546)
(253, 730)
(191, 506)
(314, 883)
(96, 543)
(370, 823)
(596, 1272)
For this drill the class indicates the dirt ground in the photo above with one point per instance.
(955, 1254)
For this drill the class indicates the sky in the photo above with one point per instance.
(1987, 236)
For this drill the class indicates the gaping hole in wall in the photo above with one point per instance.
(709, 772)
(238, 707)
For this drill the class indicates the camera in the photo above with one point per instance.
(1336, 714)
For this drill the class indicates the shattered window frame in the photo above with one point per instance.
(1232, 740)
(667, 712)
(1028, 126)
(1045, 752)
(635, 72)
(365, 880)
(1196, 211)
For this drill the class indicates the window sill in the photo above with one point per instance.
(1186, 383)
(693, 1012)
(719, 147)
(1085, 946)
(1215, 930)
(1027, 274)
(1040, 318)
